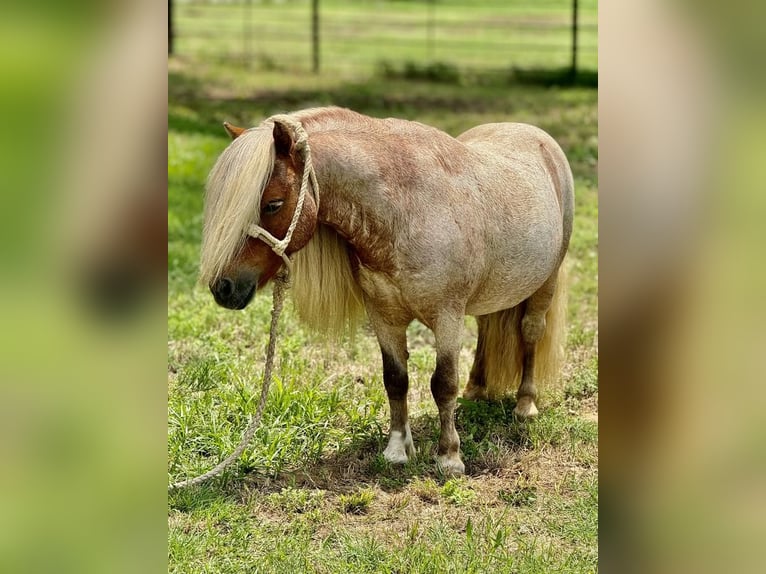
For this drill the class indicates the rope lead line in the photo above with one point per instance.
(281, 284)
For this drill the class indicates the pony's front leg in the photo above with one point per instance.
(393, 347)
(444, 388)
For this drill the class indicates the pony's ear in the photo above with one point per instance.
(233, 131)
(283, 139)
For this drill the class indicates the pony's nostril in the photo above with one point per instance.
(224, 288)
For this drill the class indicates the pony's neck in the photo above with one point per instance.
(370, 171)
(352, 203)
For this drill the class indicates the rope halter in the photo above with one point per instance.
(301, 143)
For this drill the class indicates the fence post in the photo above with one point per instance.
(573, 68)
(315, 36)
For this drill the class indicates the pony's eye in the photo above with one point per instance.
(273, 206)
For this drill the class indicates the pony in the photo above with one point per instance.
(399, 221)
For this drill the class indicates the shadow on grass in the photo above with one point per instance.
(493, 442)
(374, 98)
(446, 73)
(489, 432)
(411, 91)
(555, 77)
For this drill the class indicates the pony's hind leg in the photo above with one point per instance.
(444, 388)
(393, 347)
(532, 330)
(477, 383)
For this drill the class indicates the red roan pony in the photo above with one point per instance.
(401, 221)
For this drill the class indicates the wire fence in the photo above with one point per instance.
(357, 36)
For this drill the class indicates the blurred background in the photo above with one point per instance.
(364, 36)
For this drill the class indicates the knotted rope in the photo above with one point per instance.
(281, 284)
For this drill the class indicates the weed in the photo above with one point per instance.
(584, 382)
(356, 502)
(426, 489)
(458, 492)
(202, 374)
(519, 496)
(296, 500)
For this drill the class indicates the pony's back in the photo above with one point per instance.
(519, 142)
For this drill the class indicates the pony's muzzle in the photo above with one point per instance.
(234, 293)
(223, 288)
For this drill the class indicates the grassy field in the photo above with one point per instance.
(314, 493)
(360, 35)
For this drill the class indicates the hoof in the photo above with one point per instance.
(451, 465)
(400, 448)
(525, 408)
(395, 457)
(475, 393)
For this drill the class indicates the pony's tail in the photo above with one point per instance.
(499, 353)
(550, 351)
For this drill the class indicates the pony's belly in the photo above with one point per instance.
(499, 291)
(528, 258)
(485, 306)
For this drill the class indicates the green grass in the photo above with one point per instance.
(313, 493)
(358, 35)
(357, 502)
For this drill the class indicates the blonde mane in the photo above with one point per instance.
(233, 198)
(325, 293)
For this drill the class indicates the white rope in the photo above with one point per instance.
(281, 284)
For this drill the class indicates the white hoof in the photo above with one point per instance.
(525, 408)
(400, 447)
(451, 465)
(395, 456)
